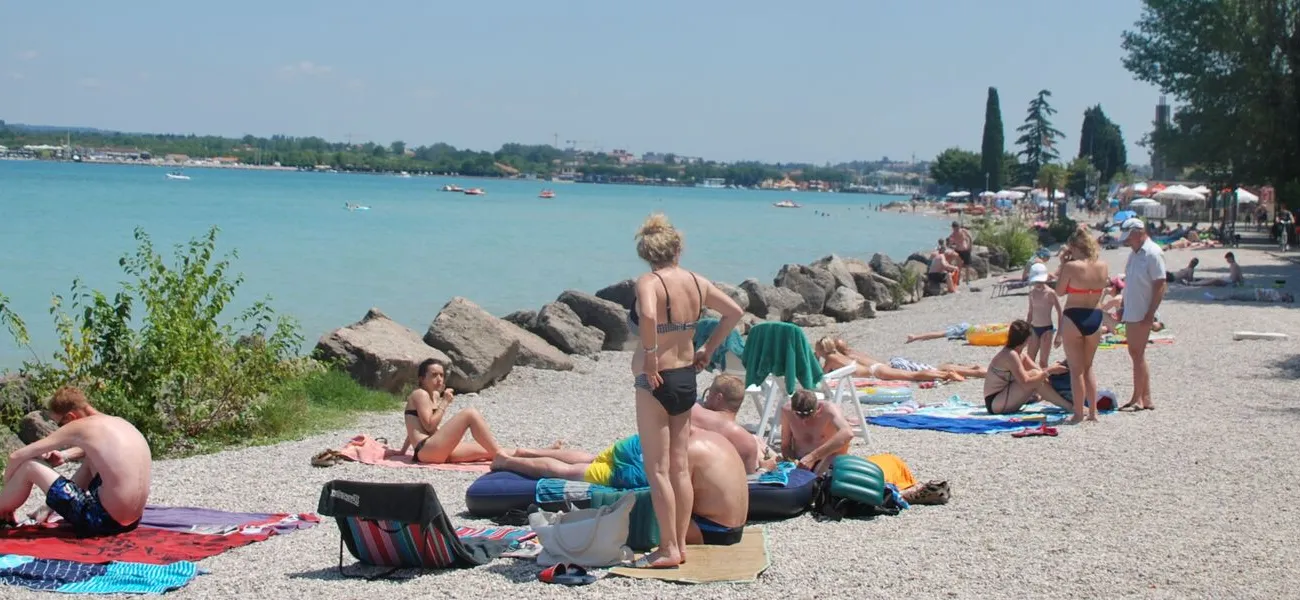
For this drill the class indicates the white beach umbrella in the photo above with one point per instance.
(1140, 186)
(1245, 197)
(1202, 190)
(1144, 202)
(988, 194)
(1178, 192)
(958, 194)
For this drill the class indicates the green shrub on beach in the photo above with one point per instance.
(160, 354)
(1017, 239)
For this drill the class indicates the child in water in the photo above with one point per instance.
(1042, 303)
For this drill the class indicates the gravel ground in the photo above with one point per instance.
(1189, 500)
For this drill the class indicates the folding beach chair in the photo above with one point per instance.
(395, 525)
(778, 358)
(837, 388)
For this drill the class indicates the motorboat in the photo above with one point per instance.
(353, 206)
(178, 175)
(787, 204)
(547, 194)
(475, 192)
(452, 188)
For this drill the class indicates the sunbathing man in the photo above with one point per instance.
(835, 353)
(814, 432)
(434, 443)
(717, 413)
(1234, 277)
(717, 477)
(107, 494)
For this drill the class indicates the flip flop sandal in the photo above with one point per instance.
(1129, 407)
(1035, 432)
(644, 563)
(326, 458)
(566, 575)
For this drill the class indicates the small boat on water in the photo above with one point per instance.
(403, 174)
(177, 174)
(354, 206)
(787, 204)
(475, 192)
(548, 194)
(451, 187)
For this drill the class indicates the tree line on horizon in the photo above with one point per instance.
(440, 158)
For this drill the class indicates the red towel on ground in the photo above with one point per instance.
(143, 545)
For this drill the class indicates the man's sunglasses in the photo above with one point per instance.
(804, 414)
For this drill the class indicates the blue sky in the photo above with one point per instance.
(730, 80)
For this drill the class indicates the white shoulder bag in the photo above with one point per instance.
(591, 537)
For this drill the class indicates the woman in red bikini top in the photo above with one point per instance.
(1083, 279)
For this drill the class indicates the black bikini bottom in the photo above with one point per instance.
(678, 391)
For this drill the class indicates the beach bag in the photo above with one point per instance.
(395, 525)
(852, 487)
(591, 537)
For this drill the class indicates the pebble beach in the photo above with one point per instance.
(1192, 499)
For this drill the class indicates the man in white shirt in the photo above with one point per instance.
(1144, 289)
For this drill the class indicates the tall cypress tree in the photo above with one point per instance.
(991, 150)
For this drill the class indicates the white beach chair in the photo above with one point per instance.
(837, 388)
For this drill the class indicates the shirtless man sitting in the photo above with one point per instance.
(721, 490)
(107, 494)
(814, 432)
(835, 353)
(717, 413)
(437, 442)
(1234, 277)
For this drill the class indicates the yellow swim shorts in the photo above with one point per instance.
(601, 471)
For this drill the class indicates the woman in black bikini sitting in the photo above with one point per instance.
(1084, 277)
(434, 443)
(664, 368)
(1015, 380)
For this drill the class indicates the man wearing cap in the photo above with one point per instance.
(1144, 289)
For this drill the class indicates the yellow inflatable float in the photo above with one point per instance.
(987, 335)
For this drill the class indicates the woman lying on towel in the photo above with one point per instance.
(438, 442)
(835, 353)
(1014, 378)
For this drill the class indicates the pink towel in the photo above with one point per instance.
(368, 451)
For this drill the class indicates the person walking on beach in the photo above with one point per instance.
(1084, 278)
(107, 494)
(664, 368)
(962, 242)
(1144, 289)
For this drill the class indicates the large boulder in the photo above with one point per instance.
(17, 394)
(8, 441)
(741, 297)
(378, 352)
(607, 316)
(481, 349)
(806, 320)
(770, 302)
(536, 352)
(526, 319)
(622, 293)
(874, 291)
(923, 257)
(884, 265)
(35, 426)
(747, 322)
(561, 326)
(999, 258)
(813, 285)
(980, 265)
(838, 269)
(846, 304)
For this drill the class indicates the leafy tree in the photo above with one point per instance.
(1235, 68)
(1078, 174)
(992, 148)
(957, 168)
(1102, 143)
(398, 148)
(1038, 136)
(1052, 177)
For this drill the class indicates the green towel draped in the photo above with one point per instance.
(781, 349)
(733, 344)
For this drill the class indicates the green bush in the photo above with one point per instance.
(158, 353)
(907, 282)
(1062, 229)
(1018, 240)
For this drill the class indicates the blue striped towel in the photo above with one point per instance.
(779, 477)
(71, 577)
(551, 490)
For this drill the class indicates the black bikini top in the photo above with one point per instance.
(669, 326)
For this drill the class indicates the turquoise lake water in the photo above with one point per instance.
(414, 249)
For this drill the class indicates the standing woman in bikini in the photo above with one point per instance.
(669, 302)
(1084, 277)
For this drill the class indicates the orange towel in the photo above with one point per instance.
(895, 470)
(365, 450)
